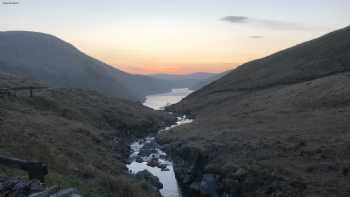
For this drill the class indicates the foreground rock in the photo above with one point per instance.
(54, 192)
(148, 177)
(16, 187)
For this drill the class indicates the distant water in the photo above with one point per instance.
(160, 101)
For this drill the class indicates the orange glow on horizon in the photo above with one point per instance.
(180, 70)
(173, 51)
(169, 50)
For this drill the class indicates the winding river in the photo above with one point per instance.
(164, 169)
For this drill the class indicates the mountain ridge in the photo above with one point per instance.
(45, 57)
(306, 63)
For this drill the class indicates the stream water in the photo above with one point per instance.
(147, 154)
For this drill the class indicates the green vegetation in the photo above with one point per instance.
(82, 135)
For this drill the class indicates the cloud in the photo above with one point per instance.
(235, 19)
(270, 24)
(256, 37)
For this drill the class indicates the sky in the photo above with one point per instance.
(177, 36)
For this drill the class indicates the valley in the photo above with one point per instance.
(175, 99)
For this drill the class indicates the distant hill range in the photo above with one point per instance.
(204, 82)
(192, 81)
(49, 59)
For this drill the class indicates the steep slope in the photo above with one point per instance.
(317, 58)
(47, 58)
(272, 127)
(82, 135)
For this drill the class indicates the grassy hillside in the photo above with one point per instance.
(83, 136)
(321, 57)
(272, 127)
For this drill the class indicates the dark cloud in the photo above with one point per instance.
(256, 37)
(235, 19)
(271, 24)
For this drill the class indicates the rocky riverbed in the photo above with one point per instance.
(147, 155)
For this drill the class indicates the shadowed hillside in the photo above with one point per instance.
(46, 58)
(82, 135)
(276, 126)
(321, 57)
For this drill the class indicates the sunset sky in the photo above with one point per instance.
(178, 36)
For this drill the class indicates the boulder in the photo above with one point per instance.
(327, 166)
(150, 178)
(209, 185)
(47, 192)
(19, 187)
(139, 159)
(154, 162)
(71, 192)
